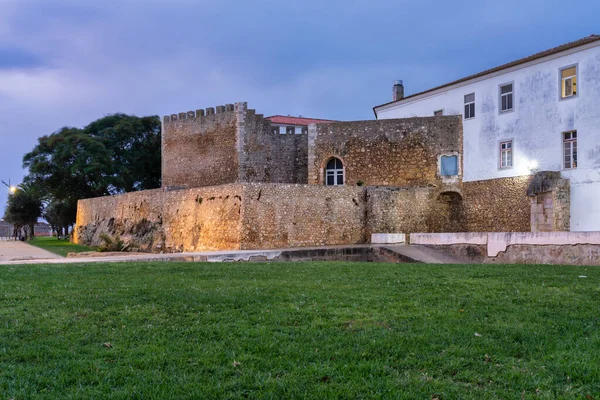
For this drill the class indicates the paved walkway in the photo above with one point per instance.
(11, 250)
(424, 254)
(22, 253)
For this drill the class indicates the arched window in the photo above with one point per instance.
(334, 172)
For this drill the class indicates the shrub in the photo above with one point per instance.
(111, 244)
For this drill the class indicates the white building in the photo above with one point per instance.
(538, 113)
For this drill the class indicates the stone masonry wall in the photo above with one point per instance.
(157, 220)
(268, 157)
(497, 205)
(227, 145)
(393, 152)
(234, 216)
(275, 216)
(257, 215)
(199, 148)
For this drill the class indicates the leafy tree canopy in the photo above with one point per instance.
(114, 154)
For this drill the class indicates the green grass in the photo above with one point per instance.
(60, 247)
(298, 330)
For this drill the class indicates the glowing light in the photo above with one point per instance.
(12, 189)
(534, 165)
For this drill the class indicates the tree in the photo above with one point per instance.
(134, 145)
(114, 154)
(60, 214)
(24, 208)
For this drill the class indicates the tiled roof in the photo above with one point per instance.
(283, 120)
(555, 50)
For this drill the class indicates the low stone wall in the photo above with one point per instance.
(573, 248)
(227, 217)
(497, 205)
(157, 220)
(285, 215)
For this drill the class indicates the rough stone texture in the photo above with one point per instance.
(233, 145)
(234, 216)
(394, 152)
(276, 216)
(581, 254)
(265, 156)
(172, 221)
(259, 216)
(200, 151)
(550, 202)
(496, 205)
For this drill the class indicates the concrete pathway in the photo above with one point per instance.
(32, 255)
(11, 250)
(424, 254)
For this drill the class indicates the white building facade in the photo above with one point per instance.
(541, 113)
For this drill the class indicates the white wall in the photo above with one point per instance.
(535, 125)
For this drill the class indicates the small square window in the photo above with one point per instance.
(470, 106)
(438, 113)
(568, 82)
(506, 97)
(449, 165)
(282, 130)
(275, 130)
(506, 154)
(290, 130)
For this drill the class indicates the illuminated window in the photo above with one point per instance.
(506, 97)
(568, 82)
(506, 154)
(470, 106)
(438, 113)
(570, 149)
(334, 172)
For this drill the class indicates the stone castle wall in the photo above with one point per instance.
(393, 152)
(277, 216)
(229, 144)
(199, 148)
(257, 215)
(496, 205)
(233, 216)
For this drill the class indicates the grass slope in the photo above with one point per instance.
(298, 330)
(60, 247)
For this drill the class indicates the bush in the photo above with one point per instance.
(111, 244)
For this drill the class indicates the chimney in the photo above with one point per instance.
(398, 91)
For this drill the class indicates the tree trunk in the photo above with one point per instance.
(32, 231)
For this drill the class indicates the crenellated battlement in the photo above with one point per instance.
(203, 112)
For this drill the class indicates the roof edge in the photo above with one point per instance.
(534, 57)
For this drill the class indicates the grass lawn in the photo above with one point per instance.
(60, 247)
(299, 330)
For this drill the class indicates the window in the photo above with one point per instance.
(275, 130)
(506, 97)
(506, 154)
(282, 130)
(470, 106)
(298, 130)
(290, 130)
(568, 82)
(334, 172)
(449, 165)
(570, 149)
(438, 113)
(305, 130)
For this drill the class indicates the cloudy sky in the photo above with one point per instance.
(66, 63)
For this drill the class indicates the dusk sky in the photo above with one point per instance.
(66, 63)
